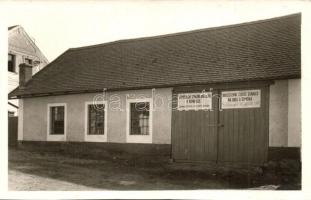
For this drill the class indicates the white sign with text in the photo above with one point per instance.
(195, 101)
(240, 99)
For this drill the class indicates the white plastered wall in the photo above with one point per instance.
(33, 116)
(284, 114)
(294, 113)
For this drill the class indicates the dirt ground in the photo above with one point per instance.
(34, 171)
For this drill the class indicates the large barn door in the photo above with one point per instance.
(234, 129)
(194, 131)
(243, 138)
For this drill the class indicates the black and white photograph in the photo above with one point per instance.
(182, 96)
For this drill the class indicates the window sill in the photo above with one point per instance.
(56, 137)
(13, 73)
(139, 139)
(96, 138)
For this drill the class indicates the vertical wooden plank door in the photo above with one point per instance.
(194, 134)
(12, 130)
(237, 134)
(243, 138)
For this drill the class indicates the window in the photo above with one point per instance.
(36, 66)
(11, 63)
(56, 122)
(139, 120)
(11, 113)
(96, 122)
(96, 119)
(28, 61)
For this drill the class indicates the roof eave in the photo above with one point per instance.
(31, 95)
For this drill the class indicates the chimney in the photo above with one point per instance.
(25, 74)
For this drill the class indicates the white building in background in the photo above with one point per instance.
(22, 49)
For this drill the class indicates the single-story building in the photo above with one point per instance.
(228, 94)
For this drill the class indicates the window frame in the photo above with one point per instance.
(138, 138)
(14, 62)
(30, 61)
(94, 138)
(56, 137)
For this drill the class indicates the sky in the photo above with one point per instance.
(57, 26)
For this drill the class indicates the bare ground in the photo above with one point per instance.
(32, 170)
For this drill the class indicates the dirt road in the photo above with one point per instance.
(51, 171)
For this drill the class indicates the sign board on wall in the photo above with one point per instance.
(240, 99)
(194, 101)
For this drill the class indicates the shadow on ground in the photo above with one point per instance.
(120, 171)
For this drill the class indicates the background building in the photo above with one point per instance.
(22, 49)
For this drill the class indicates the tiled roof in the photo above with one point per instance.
(261, 50)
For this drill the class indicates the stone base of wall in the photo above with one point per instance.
(279, 153)
(98, 150)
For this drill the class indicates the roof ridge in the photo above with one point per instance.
(185, 32)
(12, 27)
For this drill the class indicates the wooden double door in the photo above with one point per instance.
(224, 133)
